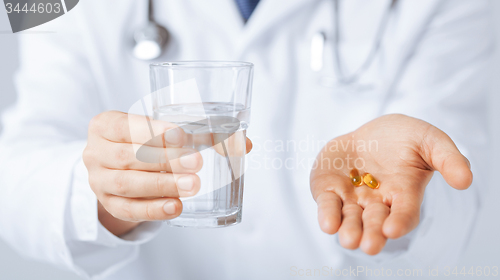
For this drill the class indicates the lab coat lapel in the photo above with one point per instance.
(402, 37)
(264, 19)
(224, 14)
(226, 17)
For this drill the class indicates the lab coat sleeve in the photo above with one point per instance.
(47, 209)
(445, 81)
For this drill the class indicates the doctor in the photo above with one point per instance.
(314, 95)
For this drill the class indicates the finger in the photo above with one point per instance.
(322, 182)
(122, 156)
(442, 155)
(404, 216)
(373, 240)
(329, 212)
(351, 229)
(135, 209)
(330, 191)
(131, 183)
(249, 145)
(214, 139)
(234, 145)
(367, 195)
(128, 128)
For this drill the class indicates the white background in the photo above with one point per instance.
(483, 250)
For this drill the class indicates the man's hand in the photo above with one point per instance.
(402, 153)
(129, 190)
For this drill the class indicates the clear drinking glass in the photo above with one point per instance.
(210, 101)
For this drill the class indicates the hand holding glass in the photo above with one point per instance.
(210, 101)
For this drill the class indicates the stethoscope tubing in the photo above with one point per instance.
(354, 77)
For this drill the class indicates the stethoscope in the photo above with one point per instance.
(343, 80)
(151, 41)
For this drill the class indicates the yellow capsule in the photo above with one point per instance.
(356, 179)
(370, 181)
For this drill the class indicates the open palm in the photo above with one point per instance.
(402, 153)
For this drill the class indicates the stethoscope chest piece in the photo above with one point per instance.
(150, 41)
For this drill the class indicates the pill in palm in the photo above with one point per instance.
(370, 181)
(356, 178)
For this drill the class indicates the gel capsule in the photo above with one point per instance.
(356, 179)
(370, 181)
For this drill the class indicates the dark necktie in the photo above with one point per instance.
(247, 7)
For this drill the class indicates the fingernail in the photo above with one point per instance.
(189, 161)
(169, 207)
(185, 183)
(172, 136)
(468, 162)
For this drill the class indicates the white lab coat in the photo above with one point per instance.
(433, 64)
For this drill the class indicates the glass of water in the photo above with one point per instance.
(210, 101)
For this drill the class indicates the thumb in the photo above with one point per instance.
(441, 153)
